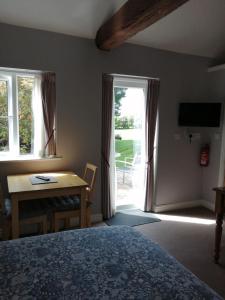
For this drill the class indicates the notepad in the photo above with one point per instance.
(34, 180)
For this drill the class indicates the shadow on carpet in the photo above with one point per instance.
(132, 217)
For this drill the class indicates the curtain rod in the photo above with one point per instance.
(133, 77)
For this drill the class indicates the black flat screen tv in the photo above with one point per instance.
(199, 114)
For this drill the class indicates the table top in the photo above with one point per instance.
(65, 179)
(219, 189)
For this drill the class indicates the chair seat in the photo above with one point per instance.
(64, 203)
(27, 209)
(35, 208)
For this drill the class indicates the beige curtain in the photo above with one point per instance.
(151, 115)
(107, 107)
(48, 93)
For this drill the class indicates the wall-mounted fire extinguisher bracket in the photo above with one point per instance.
(204, 155)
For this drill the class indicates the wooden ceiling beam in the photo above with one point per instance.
(132, 17)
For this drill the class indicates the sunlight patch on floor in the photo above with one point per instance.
(186, 219)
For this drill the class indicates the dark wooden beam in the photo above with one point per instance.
(132, 17)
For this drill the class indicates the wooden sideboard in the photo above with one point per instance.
(219, 210)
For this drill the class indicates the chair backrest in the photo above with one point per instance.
(90, 175)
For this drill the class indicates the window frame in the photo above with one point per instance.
(13, 110)
(6, 77)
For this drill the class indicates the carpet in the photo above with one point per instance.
(191, 243)
(131, 217)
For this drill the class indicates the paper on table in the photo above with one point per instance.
(35, 180)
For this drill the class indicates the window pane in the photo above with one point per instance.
(4, 129)
(4, 134)
(3, 98)
(25, 90)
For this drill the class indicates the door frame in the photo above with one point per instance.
(127, 82)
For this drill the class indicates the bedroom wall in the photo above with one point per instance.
(79, 67)
(211, 174)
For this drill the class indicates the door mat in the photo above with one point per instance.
(132, 217)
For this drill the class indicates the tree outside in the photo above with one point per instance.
(119, 94)
(25, 90)
(4, 133)
(25, 115)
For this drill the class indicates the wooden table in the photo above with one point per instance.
(20, 189)
(220, 210)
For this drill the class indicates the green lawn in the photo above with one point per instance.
(126, 149)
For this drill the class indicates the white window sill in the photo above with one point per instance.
(23, 158)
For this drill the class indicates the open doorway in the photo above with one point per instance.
(129, 142)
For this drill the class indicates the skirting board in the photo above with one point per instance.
(209, 205)
(95, 218)
(187, 204)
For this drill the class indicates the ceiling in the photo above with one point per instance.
(75, 17)
(197, 27)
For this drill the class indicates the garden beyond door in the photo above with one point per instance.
(129, 143)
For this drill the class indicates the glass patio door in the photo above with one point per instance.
(129, 142)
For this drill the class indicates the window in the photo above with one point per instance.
(21, 123)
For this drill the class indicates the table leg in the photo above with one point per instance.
(83, 208)
(15, 217)
(219, 229)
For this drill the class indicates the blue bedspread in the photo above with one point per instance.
(96, 263)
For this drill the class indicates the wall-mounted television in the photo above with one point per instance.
(199, 114)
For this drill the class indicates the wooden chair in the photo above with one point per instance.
(65, 208)
(30, 212)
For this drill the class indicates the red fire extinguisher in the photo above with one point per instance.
(204, 155)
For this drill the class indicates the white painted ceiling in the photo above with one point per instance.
(197, 27)
(75, 17)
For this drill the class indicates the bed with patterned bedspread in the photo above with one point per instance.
(95, 263)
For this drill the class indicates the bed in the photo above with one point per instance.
(114, 262)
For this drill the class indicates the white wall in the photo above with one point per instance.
(79, 67)
(211, 173)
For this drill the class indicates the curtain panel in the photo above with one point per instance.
(150, 128)
(48, 93)
(107, 109)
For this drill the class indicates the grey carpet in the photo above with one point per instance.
(191, 243)
(132, 217)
